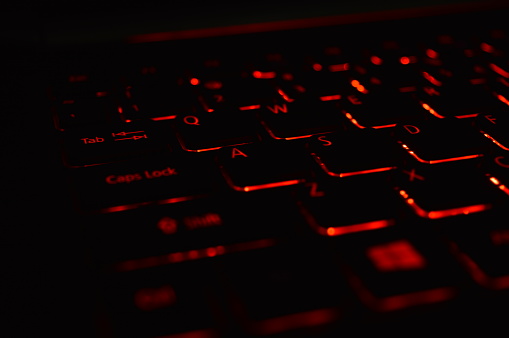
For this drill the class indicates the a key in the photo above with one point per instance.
(264, 165)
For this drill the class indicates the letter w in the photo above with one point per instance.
(277, 108)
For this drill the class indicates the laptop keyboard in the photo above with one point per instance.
(304, 183)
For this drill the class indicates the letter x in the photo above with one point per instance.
(412, 175)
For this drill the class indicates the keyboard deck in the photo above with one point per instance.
(292, 184)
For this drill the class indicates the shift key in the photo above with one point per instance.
(131, 184)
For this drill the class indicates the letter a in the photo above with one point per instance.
(236, 152)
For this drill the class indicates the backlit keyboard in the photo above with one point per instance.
(297, 183)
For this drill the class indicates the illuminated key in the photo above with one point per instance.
(493, 127)
(131, 184)
(371, 205)
(440, 140)
(381, 109)
(395, 256)
(301, 118)
(205, 131)
(393, 270)
(356, 152)
(446, 189)
(111, 143)
(263, 166)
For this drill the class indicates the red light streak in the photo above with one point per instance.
(499, 185)
(162, 118)
(348, 229)
(494, 283)
(252, 107)
(330, 97)
(285, 96)
(436, 214)
(376, 60)
(190, 255)
(432, 111)
(431, 79)
(357, 85)
(269, 185)
(138, 205)
(358, 125)
(339, 67)
(431, 53)
(487, 48)
(495, 141)
(317, 67)
(417, 298)
(213, 85)
(294, 321)
(503, 99)
(459, 158)
(264, 75)
(499, 70)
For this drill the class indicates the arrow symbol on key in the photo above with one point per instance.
(134, 138)
(124, 133)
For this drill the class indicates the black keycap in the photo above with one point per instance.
(440, 140)
(130, 184)
(264, 165)
(110, 143)
(355, 152)
(392, 269)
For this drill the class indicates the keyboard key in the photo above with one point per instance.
(213, 130)
(195, 229)
(264, 165)
(440, 140)
(371, 204)
(128, 185)
(381, 109)
(176, 300)
(276, 290)
(392, 270)
(355, 152)
(493, 126)
(300, 118)
(444, 190)
(483, 247)
(105, 144)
